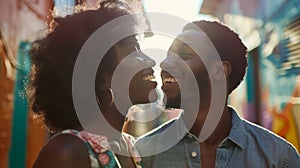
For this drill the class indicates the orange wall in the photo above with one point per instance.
(19, 20)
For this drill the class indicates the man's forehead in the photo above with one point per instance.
(192, 37)
(197, 41)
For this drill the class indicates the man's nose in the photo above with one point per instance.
(167, 63)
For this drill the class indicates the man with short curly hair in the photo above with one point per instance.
(234, 142)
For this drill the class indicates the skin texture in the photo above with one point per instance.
(63, 151)
(171, 65)
(138, 89)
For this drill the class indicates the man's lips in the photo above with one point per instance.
(167, 78)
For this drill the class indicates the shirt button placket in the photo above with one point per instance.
(221, 160)
(193, 152)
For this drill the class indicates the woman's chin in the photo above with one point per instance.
(144, 100)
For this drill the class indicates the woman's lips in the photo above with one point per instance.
(147, 75)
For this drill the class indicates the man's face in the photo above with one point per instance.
(180, 57)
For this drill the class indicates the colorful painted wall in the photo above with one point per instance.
(270, 94)
(20, 137)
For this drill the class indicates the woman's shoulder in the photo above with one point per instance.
(63, 150)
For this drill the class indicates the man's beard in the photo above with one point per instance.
(173, 102)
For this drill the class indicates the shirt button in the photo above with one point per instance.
(194, 154)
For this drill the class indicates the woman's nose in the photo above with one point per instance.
(150, 62)
(147, 60)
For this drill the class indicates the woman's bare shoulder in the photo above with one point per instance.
(63, 151)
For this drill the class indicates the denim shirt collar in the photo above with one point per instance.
(176, 129)
(237, 132)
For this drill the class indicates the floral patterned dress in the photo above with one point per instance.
(99, 150)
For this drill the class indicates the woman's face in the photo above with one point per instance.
(130, 57)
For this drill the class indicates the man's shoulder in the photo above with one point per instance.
(256, 134)
(264, 136)
(155, 132)
(270, 144)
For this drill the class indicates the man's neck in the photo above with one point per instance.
(220, 132)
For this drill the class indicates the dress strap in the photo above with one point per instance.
(133, 151)
(98, 148)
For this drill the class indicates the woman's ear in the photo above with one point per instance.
(104, 92)
(222, 71)
(104, 83)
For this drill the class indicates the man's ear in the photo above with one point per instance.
(227, 68)
(222, 71)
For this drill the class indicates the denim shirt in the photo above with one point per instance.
(248, 145)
